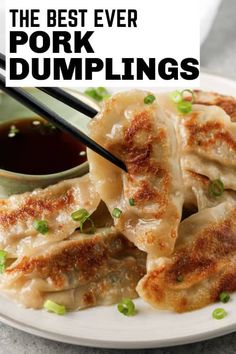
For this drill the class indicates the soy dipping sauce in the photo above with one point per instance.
(34, 146)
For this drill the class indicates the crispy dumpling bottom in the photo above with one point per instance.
(149, 197)
(82, 271)
(201, 267)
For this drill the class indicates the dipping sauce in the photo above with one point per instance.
(34, 146)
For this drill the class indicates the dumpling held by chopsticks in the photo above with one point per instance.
(146, 202)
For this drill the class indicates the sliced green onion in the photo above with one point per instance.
(116, 212)
(224, 297)
(149, 99)
(219, 313)
(98, 94)
(131, 202)
(3, 258)
(13, 131)
(41, 226)
(92, 227)
(191, 93)
(216, 188)
(184, 107)
(82, 215)
(176, 96)
(127, 307)
(52, 306)
(180, 278)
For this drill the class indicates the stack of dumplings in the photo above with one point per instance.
(165, 230)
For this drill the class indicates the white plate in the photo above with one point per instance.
(106, 327)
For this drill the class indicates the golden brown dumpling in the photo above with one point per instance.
(208, 144)
(202, 265)
(53, 204)
(82, 271)
(149, 197)
(197, 192)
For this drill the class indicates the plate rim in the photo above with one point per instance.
(111, 344)
(126, 344)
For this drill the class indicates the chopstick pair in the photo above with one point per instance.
(36, 106)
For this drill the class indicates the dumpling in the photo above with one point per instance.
(79, 272)
(146, 202)
(207, 137)
(208, 140)
(53, 204)
(202, 266)
(197, 193)
(227, 103)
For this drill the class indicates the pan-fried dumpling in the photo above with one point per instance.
(80, 272)
(208, 139)
(54, 204)
(227, 103)
(202, 266)
(197, 193)
(147, 201)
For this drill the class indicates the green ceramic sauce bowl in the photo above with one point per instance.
(15, 183)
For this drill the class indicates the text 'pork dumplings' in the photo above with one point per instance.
(53, 204)
(146, 202)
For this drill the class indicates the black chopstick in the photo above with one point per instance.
(69, 100)
(36, 106)
(2, 61)
(61, 95)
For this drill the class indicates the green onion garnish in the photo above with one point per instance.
(127, 307)
(52, 306)
(176, 96)
(131, 202)
(116, 212)
(41, 226)
(191, 93)
(98, 94)
(149, 99)
(3, 258)
(13, 131)
(224, 297)
(219, 313)
(180, 278)
(82, 215)
(92, 228)
(184, 107)
(216, 188)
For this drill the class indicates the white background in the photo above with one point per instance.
(166, 28)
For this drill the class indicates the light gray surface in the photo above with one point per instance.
(219, 56)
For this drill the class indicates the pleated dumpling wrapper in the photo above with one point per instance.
(227, 103)
(52, 205)
(208, 144)
(79, 272)
(146, 202)
(198, 193)
(207, 136)
(202, 266)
